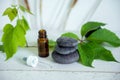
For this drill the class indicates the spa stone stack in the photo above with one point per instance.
(66, 51)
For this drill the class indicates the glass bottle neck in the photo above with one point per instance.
(42, 34)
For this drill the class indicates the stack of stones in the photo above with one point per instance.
(66, 51)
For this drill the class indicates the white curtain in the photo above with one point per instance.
(59, 16)
(56, 16)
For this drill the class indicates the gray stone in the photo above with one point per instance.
(63, 50)
(65, 59)
(67, 42)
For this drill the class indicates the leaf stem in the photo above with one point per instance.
(26, 43)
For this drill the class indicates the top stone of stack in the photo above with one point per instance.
(66, 42)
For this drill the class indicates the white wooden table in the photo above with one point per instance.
(47, 69)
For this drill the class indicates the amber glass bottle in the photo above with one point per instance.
(43, 48)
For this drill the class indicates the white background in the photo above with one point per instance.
(108, 12)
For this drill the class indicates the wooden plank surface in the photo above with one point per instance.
(16, 63)
(55, 75)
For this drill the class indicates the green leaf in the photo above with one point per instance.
(20, 31)
(11, 12)
(1, 48)
(14, 5)
(70, 35)
(13, 37)
(7, 29)
(7, 11)
(22, 8)
(52, 43)
(90, 26)
(104, 35)
(25, 23)
(21, 24)
(91, 50)
(20, 35)
(87, 54)
(101, 52)
(9, 41)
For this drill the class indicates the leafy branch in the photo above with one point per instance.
(14, 36)
(90, 45)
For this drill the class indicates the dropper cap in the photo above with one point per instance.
(31, 61)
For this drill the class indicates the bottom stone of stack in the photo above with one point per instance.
(65, 59)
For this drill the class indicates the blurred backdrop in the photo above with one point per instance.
(59, 16)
